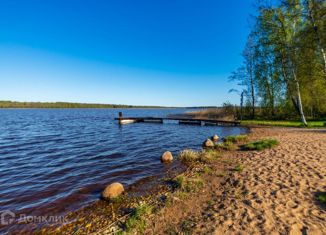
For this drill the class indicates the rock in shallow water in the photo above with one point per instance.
(215, 138)
(167, 157)
(112, 191)
(208, 144)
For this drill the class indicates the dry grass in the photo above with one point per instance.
(212, 113)
(189, 156)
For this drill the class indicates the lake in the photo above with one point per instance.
(58, 160)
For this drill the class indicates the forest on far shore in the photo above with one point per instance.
(15, 104)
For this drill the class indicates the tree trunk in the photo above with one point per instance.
(241, 106)
(324, 56)
(295, 104)
(252, 90)
(272, 101)
(299, 102)
(289, 87)
(303, 119)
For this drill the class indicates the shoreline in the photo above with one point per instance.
(100, 212)
(255, 199)
(144, 190)
(85, 196)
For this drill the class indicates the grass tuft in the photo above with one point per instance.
(180, 181)
(227, 145)
(188, 185)
(136, 221)
(207, 170)
(322, 198)
(209, 155)
(239, 168)
(261, 144)
(181, 194)
(189, 156)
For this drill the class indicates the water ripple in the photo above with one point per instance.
(59, 160)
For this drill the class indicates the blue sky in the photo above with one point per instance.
(154, 52)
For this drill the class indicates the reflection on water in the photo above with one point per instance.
(60, 159)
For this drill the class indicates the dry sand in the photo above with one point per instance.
(274, 194)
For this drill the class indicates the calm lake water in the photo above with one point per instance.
(57, 160)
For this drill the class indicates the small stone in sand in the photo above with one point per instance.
(112, 191)
(167, 157)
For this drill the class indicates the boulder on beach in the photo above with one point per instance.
(215, 138)
(167, 157)
(208, 143)
(112, 191)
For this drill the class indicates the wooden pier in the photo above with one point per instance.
(187, 121)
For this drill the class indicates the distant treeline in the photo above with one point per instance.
(203, 107)
(14, 104)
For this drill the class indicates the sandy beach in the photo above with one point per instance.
(274, 194)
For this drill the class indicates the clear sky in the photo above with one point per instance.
(154, 52)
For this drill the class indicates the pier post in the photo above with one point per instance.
(120, 117)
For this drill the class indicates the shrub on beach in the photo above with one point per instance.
(261, 144)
